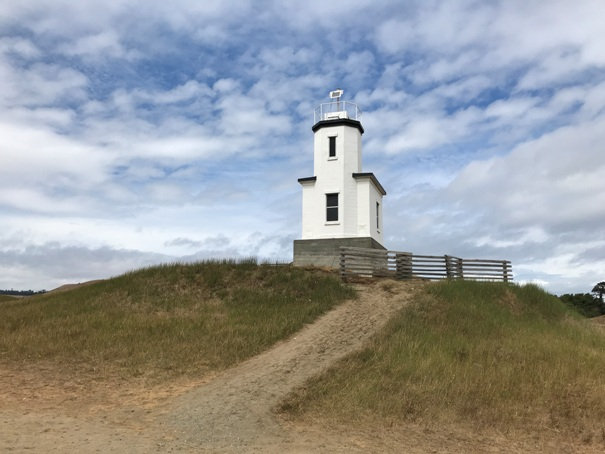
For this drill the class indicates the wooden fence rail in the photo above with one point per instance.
(405, 265)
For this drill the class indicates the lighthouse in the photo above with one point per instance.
(341, 204)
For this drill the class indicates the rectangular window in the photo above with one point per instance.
(331, 207)
(332, 152)
(377, 215)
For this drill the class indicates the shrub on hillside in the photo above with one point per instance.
(585, 303)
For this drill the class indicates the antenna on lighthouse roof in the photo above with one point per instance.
(336, 94)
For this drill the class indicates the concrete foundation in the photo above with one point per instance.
(326, 252)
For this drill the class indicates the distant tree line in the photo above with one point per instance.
(587, 304)
(21, 292)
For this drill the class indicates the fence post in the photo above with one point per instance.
(505, 271)
(460, 268)
(343, 266)
(448, 270)
(403, 265)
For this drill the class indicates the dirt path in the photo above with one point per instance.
(231, 413)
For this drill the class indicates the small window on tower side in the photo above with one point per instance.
(377, 215)
(332, 152)
(331, 207)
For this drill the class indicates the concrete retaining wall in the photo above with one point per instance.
(326, 252)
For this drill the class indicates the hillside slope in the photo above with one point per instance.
(404, 367)
(232, 412)
(474, 358)
(166, 321)
(7, 298)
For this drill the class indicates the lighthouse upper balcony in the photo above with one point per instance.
(337, 110)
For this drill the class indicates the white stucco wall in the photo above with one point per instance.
(334, 175)
(348, 143)
(367, 197)
(309, 210)
(375, 230)
(363, 200)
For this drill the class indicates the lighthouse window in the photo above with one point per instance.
(332, 207)
(332, 152)
(377, 215)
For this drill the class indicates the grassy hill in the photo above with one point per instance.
(486, 356)
(4, 298)
(167, 320)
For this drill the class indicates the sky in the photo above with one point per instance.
(142, 132)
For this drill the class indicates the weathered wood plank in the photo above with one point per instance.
(484, 266)
(403, 265)
(486, 261)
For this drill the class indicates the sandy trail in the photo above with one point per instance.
(231, 413)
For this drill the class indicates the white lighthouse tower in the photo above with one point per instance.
(341, 205)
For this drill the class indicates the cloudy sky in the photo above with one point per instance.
(139, 132)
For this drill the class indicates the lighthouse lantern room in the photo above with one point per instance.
(341, 205)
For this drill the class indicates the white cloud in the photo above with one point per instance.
(41, 84)
(554, 179)
(35, 154)
(98, 46)
(447, 27)
(469, 36)
(510, 109)
(50, 265)
(185, 92)
(55, 118)
(554, 68)
(20, 47)
(326, 15)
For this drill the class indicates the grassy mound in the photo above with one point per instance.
(168, 320)
(478, 354)
(4, 298)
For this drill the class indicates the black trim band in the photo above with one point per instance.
(338, 122)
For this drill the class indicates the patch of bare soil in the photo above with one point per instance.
(47, 409)
(599, 321)
(42, 411)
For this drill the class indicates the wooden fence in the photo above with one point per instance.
(405, 265)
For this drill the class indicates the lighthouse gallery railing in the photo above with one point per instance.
(337, 110)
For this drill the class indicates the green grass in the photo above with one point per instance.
(168, 320)
(486, 355)
(4, 298)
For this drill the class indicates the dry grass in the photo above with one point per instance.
(5, 298)
(167, 321)
(489, 356)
